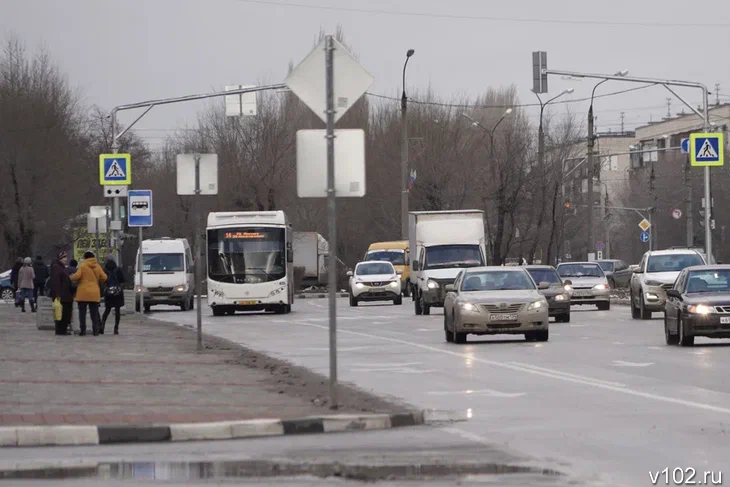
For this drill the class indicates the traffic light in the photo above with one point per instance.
(567, 204)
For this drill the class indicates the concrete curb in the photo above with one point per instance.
(23, 436)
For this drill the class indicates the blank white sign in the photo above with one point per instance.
(242, 104)
(349, 163)
(186, 173)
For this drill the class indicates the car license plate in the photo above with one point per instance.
(725, 320)
(581, 293)
(503, 317)
(377, 289)
(247, 303)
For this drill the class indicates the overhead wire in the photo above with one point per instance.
(491, 18)
(517, 105)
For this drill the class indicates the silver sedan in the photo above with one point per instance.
(493, 301)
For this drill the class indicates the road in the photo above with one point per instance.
(604, 400)
(604, 395)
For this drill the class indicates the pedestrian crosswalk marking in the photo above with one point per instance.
(115, 171)
(707, 151)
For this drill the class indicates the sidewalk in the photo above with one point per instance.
(151, 373)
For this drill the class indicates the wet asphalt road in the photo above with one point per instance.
(605, 400)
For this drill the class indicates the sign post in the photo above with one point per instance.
(115, 170)
(346, 81)
(139, 214)
(707, 150)
(197, 174)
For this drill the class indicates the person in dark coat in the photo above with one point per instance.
(62, 290)
(113, 293)
(41, 276)
(14, 277)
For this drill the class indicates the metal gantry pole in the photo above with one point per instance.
(591, 168)
(198, 252)
(708, 195)
(331, 219)
(688, 209)
(140, 267)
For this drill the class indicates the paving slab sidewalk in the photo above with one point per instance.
(150, 374)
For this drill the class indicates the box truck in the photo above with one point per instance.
(442, 243)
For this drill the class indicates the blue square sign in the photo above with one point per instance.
(115, 169)
(139, 211)
(706, 149)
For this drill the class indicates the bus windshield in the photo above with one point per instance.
(246, 255)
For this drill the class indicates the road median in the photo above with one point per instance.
(151, 384)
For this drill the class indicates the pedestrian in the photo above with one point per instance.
(26, 276)
(14, 279)
(41, 276)
(113, 293)
(90, 276)
(71, 270)
(62, 290)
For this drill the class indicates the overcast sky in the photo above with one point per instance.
(124, 51)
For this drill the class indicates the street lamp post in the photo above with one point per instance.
(541, 163)
(703, 112)
(404, 152)
(591, 168)
(491, 148)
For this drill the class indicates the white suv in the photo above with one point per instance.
(655, 275)
(375, 281)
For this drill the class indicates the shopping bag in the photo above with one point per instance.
(57, 309)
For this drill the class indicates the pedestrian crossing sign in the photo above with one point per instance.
(707, 149)
(115, 169)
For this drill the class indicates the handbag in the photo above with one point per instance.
(57, 309)
(112, 290)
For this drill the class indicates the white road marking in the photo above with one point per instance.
(656, 348)
(623, 363)
(339, 349)
(553, 374)
(578, 326)
(617, 343)
(480, 392)
(566, 374)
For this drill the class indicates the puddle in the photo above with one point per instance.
(221, 470)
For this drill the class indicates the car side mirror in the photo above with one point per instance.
(638, 271)
(349, 273)
(568, 282)
(450, 288)
(399, 272)
(543, 285)
(416, 265)
(673, 293)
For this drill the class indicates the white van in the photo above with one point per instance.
(168, 276)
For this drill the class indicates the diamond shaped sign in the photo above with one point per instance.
(351, 80)
(644, 224)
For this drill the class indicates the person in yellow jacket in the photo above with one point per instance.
(90, 276)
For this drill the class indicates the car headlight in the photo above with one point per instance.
(568, 287)
(561, 297)
(393, 283)
(432, 284)
(536, 305)
(700, 309)
(652, 282)
(140, 289)
(181, 289)
(469, 307)
(600, 287)
(359, 285)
